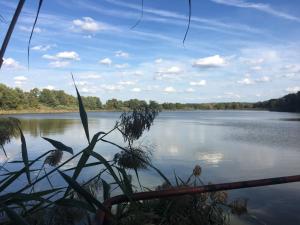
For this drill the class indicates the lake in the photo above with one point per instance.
(229, 146)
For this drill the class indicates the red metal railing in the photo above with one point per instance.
(101, 217)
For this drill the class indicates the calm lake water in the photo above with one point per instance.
(229, 146)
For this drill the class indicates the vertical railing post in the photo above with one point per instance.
(10, 30)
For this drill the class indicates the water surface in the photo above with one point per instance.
(229, 146)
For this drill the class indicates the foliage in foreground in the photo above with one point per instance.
(78, 201)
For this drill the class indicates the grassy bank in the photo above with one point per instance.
(37, 111)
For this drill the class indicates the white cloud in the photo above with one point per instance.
(291, 68)
(59, 64)
(87, 90)
(49, 87)
(89, 24)
(129, 82)
(106, 61)
(50, 57)
(121, 54)
(136, 89)
(190, 90)
(168, 73)
(229, 95)
(138, 73)
(210, 62)
(169, 90)
(158, 61)
(198, 83)
(80, 83)
(173, 70)
(256, 68)
(66, 55)
(62, 59)
(109, 87)
(258, 6)
(41, 48)
(293, 89)
(20, 80)
(246, 81)
(122, 66)
(252, 61)
(10, 63)
(151, 87)
(170, 70)
(90, 75)
(263, 79)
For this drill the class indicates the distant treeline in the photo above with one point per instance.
(288, 103)
(17, 99)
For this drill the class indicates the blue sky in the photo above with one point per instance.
(236, 50)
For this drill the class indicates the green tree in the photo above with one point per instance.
(114, 104)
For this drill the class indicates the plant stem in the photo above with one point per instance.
(10, 30)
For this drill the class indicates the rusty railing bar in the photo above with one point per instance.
(173, 192)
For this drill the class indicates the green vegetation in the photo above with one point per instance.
(17, 100)
(36, 100)
(288, 103)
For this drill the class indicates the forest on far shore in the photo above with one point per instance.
(36, 99)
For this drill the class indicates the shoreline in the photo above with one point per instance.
(58, 111)
(50, 111)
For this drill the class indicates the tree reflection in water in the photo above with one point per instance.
(45, 127)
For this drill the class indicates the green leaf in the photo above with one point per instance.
(60, 146)
(86, 165)
(84, 158)
(25, 156)
(176, 179)
(75, 203)
(13, 216)
(106, 189)
(81, 191)
(127, 182)
(85, 155)
(111, 171)
(82, 112)
(13, 198)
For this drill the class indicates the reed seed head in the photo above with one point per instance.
(197, 171)
(219, 197)
(54, 158)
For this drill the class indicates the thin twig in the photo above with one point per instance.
(29, 41)
(189, 22)
(141, 17)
